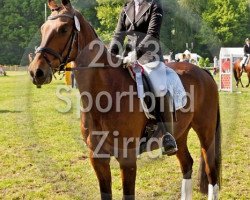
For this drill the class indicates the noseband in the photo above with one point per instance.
(69, 45)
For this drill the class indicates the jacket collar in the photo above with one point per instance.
(130, 10)
(146, 4)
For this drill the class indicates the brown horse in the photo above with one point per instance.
(238, 72)
(112, 118)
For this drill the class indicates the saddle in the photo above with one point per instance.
(151, 129)
(146, 100)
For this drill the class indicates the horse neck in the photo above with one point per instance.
(95, 61)
(92, 51)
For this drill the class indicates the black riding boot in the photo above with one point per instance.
(164, 119)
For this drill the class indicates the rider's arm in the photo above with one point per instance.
(119, 36)
(153, 33)
(245, 49)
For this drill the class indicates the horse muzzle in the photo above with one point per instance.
(40, 77)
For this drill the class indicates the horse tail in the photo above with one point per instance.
(218, 156)
(203, 180)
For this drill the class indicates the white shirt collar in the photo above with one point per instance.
(138, 2)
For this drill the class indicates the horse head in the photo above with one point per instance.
(59, 42)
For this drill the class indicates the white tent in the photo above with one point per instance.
(194, 56)
(227, 52)
(167, 57)
(187, 52)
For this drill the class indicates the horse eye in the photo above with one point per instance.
(63, 30)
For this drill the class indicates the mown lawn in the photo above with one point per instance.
(43, 155)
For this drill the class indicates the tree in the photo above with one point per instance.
(209, 24)
(19, 22)
(108, 14)
(207, 62)
(201, 62)
(182, 19)
(87, 8)
(194, 6)
(225, 23)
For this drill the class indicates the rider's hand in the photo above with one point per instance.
(119, 57)
(131, 58)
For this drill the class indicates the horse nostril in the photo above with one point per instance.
(32, 74)
(39, 73)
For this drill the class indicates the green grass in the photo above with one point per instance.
(43, 155)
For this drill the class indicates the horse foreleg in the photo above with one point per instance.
(238, 80)
(237, 83)
(241, 83)
(102, 170)
(128, 174)
(248, 74)
(186, 163)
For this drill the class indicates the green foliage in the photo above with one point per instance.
(204, 62)
(207, 62)
(87, 8)
(19, 22)
(225, 21)
(201, 62)
(208, 24)
(108, 13)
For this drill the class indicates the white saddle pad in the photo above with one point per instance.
(164, 79)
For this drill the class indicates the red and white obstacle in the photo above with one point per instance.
(227, 58)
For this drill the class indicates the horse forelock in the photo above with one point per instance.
(73, 12)
(61, 10)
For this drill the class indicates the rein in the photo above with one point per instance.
(69, 45)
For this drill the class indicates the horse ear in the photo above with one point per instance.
(52, 4)
(66, 2)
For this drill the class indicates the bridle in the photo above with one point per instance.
(69, 45)
(63, 60)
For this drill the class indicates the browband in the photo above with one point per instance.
(51, 17)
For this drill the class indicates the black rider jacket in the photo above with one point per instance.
(142, 31)
(246, 49)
